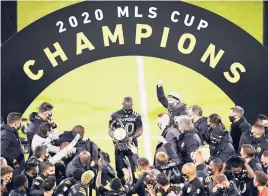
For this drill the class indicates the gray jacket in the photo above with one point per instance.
(76, 164)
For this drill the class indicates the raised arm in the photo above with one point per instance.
(161, 95)
(98, 180)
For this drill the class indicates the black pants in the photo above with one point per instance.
(120, 164)
(30, 139)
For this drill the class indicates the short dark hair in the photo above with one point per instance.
(265, 154)
(216, 119)
(5, 170)
(44, 107)
(261, 178)
(46, 165)
(49, 183)
(43, 129)
(30, 166)
(13, 117)
(77, 174)
(39, 151)
(162, 179)
(197, 110)
(218, 164)
(115, 184)
(142, 162)
(260, 117)
(78, 126)
(19, 180)
(249, 150)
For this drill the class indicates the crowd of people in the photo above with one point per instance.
(195, 155)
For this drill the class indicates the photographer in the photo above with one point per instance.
(165, 188)
(238, 171)
(44, 115)
(115, 184)
(169, 163)
(172, 102)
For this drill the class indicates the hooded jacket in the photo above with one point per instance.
(177, 110)
(76, 164)
(33, 127)
(11, 145)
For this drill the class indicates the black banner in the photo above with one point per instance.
(85, 32)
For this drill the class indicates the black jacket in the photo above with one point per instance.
(260, 144)
(11, 145)
(202, 128)
(178, 110)
(16, 192)
(33, 127)
(230, 191)
(189, 142)
(223, 150)
(237, 129)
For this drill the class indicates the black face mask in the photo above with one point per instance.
(34, 174)
(232, 119)
(52, 176)
(46, 158)
(209, 172)
(128, 110)
(18, 128)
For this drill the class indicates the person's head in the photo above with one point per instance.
(48, 169)
(221, 181)
(143, 164)
(195, 112)
(44, 129)
(41, 153)
(163, 121)
(173, 98)
(261, 119)
(214, 120)
(161, 158)
(45, 111)
(14, 120)
(84, 157)
(264, 159)
(77, 174)
(20, 182)
(184, 123)
(127, 103)
(115, 184)
(236, 165)
(236, 113)
(162, 180)
(257, 130)
(78, 129)
(217, 135)
(87, 177)
(260, 179)
(6, 174)
(202, 155)
(215, 166)
(49, 185)
(189, 171)
(3, 162)
(32, 169)
(247, 151)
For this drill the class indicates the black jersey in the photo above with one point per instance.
(64, 187)
(130, 120)
(122, 192)
(172, 171)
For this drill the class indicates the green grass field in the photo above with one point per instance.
(89, 94)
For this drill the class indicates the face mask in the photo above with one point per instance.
(237, 175)
(231, 118)
(46, 158)
(52, 175)
(18, 128)
(128, 110)
(209, 171)
(185, 176)
(34, 174)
